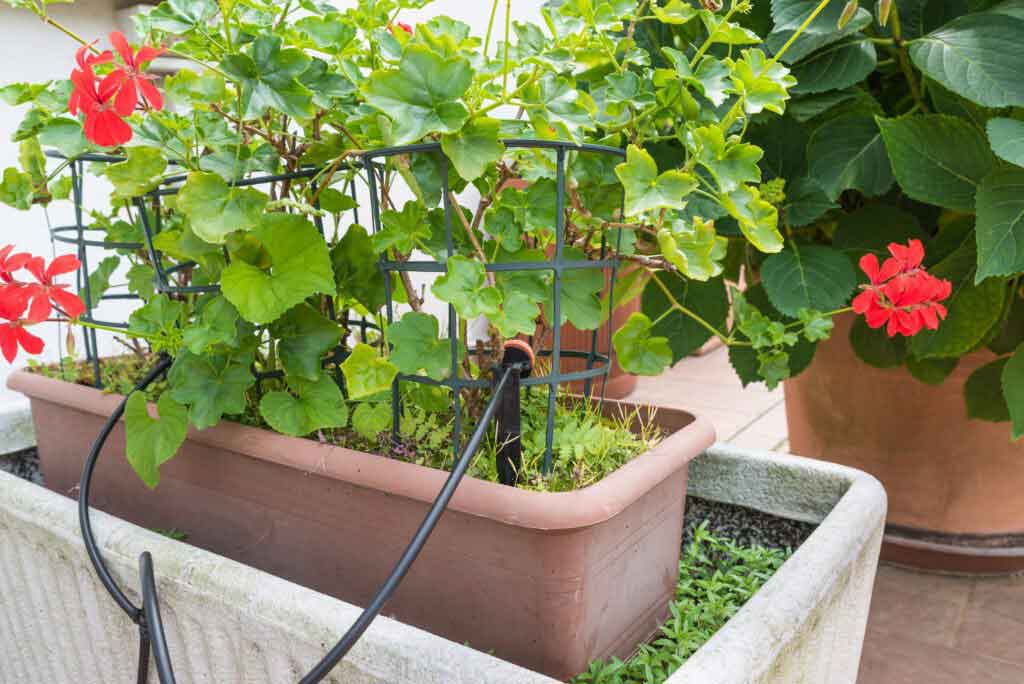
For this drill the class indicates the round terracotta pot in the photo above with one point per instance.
(620, 383)
(956, 486)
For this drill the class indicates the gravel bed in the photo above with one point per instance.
(24, 464)
(744, 526)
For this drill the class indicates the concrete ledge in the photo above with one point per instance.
(230, 623)
(16, 430)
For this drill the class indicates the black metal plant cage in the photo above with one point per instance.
(514, 371)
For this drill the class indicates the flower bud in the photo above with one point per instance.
(712, 5)
(848, 12)
(884, 9)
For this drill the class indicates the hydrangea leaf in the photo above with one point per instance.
(462, 286)
(1006, 136)
(308, 406)
(839, 65)
(1000, 224)
(475, 148)
(1013, 390)
(366, 373)
(371, 419)
(646, 189)
(269, 77)
(304, 336)
(805, 202)
(730, 162)
(138, 173)
(214, 210)
(422, 95)
(416, 346)
(982, 393)
(211, 385)
(151, 442)
(708, 300)
(848, 153)
(300, 267)
(808, 277)
(758, 219)
(637, 350)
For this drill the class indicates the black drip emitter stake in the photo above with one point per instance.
(509, 418)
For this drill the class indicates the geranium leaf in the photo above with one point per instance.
(693, 247)
(214, 210)
(762, 87)
(152, 442)
(848, 153)
(310, 405)
(979, 56)
(16, 189)
(730, 162)
(808, 277)
(269, 78)
(581, 287)
(416, 346)
(367, 373)
(462, 286)
(637, 350)
(304, 336)
(646, 189)
(517, 315)
(759, 220)
(402, 230)
(138, 173)
(300, 267)
(64, 135)
(99, 280)
(211, 385)
(371, 419)
(475, 148)
(1006, 136)
(356, 272)
(217, 324)
(422, 95)
(1000, 224)
(673, 11)
(937, 159)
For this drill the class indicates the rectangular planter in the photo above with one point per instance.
(227, 622)
(548, 581)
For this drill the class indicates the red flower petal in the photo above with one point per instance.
(127, 98)
(40, 309)
(151, 93)
(147, 54)
(28, 341)
(70, 303)
(66, 263)
(108, 129)
(869, 264)
(120, 44)
(8, 342)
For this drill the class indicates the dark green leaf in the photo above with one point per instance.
(684, 334)
(874, 347)
(1000, 224)
(983, 393)
(211, 385)
(311, 405)
(808, 277)
(848, 153)
(304, 336)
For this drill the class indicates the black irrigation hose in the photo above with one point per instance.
(151, 631)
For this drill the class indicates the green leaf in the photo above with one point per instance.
(937, 159)
(211, 385)
(872, 227)
(214, 210)
(99, 280)
(685, 335)
(16, 189)
(517, 314)
(416, 346)
(931, 371)
(726, 32)
(1011, 333)
(1013, 390)
(837, 66)
(16, 94)
(874, 347)
(730, 162)
(369, 420)
(356, 272)
(304, 336)
(475, 148)
(158, 316)
(973, 309)
(637, 350)
(217, 324)
(422, 95)
(808, 277)
(462, 286)
(789, 16)
(329, 33)
(580, 289)
(152, 442)
(138, 174)
(1000, 224)
(848, 153)
(181, 16)
(761, 87)
(979, 56)
(1007, 139)
(366, 372)
(805, 203)
(269, 76)
(300, 267)
(694, 248)
(784, 141)
(646, 189)
(64, 135)
(311, 405)
(673, 12)
(982, 393)
(188, 87)
(759, 220)
(402, 230)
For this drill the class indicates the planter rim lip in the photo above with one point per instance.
(549, 511)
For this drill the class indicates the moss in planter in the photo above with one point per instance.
(716, 577)
(588, 446)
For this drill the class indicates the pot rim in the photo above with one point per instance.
(551, 511)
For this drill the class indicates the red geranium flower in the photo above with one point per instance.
(47, 292)
(901, 295)
(12, 332)
(405, 27)
(104, 124)
(132, 79)
(9, 263)
(85, 60)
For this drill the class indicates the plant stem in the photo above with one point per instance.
(505, 68)
(490, 28)
(676, 305)
(711, 35)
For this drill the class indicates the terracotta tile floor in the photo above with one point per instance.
(923, 629)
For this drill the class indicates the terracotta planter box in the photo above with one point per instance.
(548, 581)
(954, 484)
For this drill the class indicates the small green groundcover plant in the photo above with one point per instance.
(274, 88)
(907, 124)
(716, 578)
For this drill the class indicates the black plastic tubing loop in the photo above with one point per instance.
(154, 623)
(84, 487)
(341, 649)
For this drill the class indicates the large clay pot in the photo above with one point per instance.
(549, 581)
(620, 383)
(956, 486)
